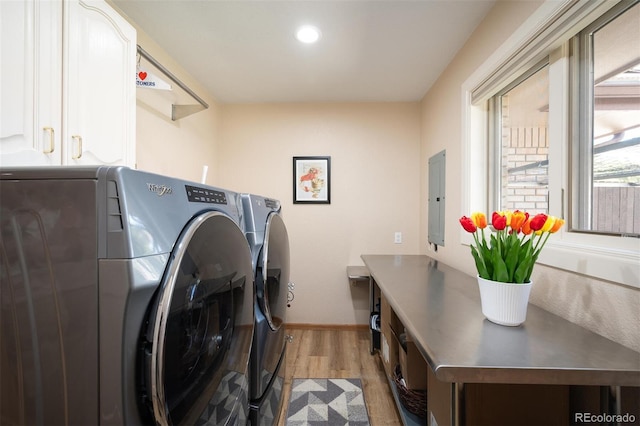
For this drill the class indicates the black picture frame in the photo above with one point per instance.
(312, 180)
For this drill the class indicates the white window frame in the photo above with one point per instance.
(546, 32)
(583, 117)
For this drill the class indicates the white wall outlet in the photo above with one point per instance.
(397, 238)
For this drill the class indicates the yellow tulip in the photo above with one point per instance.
(548, 224)
(508, 214)
(557, 224)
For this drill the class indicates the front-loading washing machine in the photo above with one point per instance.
(126, 298)
(269, 241)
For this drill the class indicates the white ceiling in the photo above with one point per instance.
(370, 50)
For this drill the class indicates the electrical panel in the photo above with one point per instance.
(436, 199)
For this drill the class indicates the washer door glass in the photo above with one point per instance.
(273, 272)
(200, 331)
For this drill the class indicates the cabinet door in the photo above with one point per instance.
(99, 79)
(30, 76)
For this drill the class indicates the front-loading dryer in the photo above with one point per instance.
(269, 241)
(126, 298)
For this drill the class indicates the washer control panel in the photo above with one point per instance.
(272, 204)
(205, 195)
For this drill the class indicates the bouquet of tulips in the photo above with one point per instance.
(513, 248)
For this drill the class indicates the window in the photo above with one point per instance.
(520, 132)
(606, 59)
(566, 83)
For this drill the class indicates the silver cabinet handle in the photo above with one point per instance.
(52, 140)
(79, 146)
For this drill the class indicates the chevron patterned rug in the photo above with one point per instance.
(327, 402)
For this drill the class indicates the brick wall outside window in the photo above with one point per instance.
(525, 179)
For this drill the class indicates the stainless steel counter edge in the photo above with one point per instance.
(440, 307)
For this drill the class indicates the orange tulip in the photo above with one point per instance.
(518, 219)
(479, 219)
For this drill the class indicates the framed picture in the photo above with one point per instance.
(312, 180)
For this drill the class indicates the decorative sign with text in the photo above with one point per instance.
(148, 80)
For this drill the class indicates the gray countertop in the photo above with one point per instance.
(440, 307)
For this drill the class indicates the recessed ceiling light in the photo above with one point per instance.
(308, 34)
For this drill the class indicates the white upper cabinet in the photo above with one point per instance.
(80, 110)
(30, 82)
(100, 103)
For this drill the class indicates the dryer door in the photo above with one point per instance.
(273, 272)
(201, 327)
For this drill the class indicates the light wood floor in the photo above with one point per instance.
(340, 353)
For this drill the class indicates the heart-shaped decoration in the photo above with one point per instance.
(142, 75)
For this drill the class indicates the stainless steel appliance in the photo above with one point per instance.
(126, 298)
(269, 241)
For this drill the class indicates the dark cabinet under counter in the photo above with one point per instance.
(545, 371)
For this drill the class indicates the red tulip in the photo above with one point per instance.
(468, 224)
(538, 221)
(499, 221)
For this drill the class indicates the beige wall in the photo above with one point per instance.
(375, 182)
(375, 179)
(178, 148)
(607, 308)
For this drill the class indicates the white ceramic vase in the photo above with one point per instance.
(504, 303)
